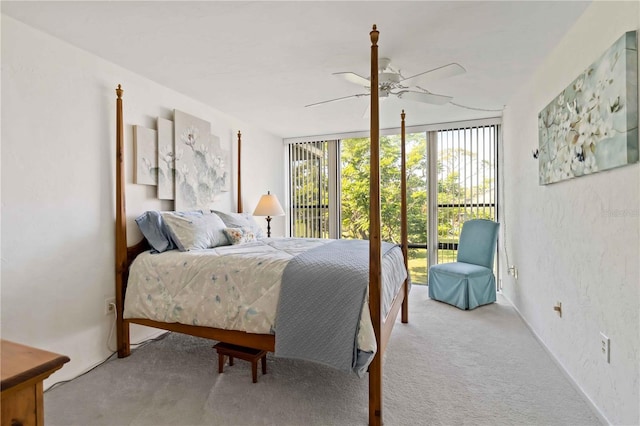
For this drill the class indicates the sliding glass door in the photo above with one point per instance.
(354, 205)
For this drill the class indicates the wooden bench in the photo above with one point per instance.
(244, 353)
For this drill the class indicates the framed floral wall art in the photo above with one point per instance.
(221, 158)
(592, 125)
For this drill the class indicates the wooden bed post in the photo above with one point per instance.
(375, 257)
(382, 326)
(122, 264)
(239, 173)
(403, 218)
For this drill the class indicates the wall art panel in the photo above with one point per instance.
(195, 176)
(145, 147)
(592, 125)
(166, 160)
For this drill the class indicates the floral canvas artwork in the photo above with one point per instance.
(592, 125)
(221, 158)
(166, 160)
(145, 148)
(184, 160)
(200, 171)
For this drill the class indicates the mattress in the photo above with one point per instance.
(234, 287)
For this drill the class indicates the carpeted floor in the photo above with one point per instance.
(446, 367)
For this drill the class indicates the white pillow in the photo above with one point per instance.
(241, 220)
(196, 232)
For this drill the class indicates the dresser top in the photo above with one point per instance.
(21, 363)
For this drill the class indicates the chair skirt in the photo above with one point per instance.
(463, 285)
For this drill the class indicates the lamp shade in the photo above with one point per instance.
(268, 206)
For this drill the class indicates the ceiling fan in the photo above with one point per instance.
(392, 83)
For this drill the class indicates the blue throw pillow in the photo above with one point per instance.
(155, 230)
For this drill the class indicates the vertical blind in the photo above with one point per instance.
(310, 181)
(467, 179)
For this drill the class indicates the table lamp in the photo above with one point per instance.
(268, 206)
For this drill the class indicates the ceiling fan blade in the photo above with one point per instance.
(444, 71)
(337, 99)
(354, 78)
(428, 98)
(367, 111)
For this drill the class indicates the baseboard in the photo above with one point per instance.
(156, 334)
(152, 336)
(569, 377)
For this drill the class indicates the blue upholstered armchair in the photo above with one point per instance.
(469, 282)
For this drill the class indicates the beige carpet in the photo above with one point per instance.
(446, 367)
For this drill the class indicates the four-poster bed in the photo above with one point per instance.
(382, 325)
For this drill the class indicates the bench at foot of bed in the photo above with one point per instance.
(244, 353)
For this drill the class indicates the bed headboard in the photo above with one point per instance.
(239, 177)
(124, 255)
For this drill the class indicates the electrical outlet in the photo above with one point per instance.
(605, 347)
(109, 305)
(513, 271)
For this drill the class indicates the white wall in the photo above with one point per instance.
(58, 187)
(577, 241)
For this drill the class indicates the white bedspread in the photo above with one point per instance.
(232, 287)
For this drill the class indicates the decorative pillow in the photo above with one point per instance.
(239, 235)
(241, 220)
(195, 232)
(155, 230)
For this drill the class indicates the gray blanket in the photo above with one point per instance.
(321, 299)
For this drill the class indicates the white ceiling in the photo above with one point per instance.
(262, 61)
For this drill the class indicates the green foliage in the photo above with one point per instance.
(457, 188)
(451, 189)
(355, 187)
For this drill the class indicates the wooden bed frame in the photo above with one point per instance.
(382, 326)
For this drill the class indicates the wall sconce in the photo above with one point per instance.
(268, 206)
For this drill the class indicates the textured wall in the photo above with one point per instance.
(577, 241)
(58, 153)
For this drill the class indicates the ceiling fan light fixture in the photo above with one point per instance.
(389, 77)
(383, 64)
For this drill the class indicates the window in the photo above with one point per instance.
(354, 174)
(313, 190)
(451, 177)
(466, 177)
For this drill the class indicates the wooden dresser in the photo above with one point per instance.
(23, 369)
